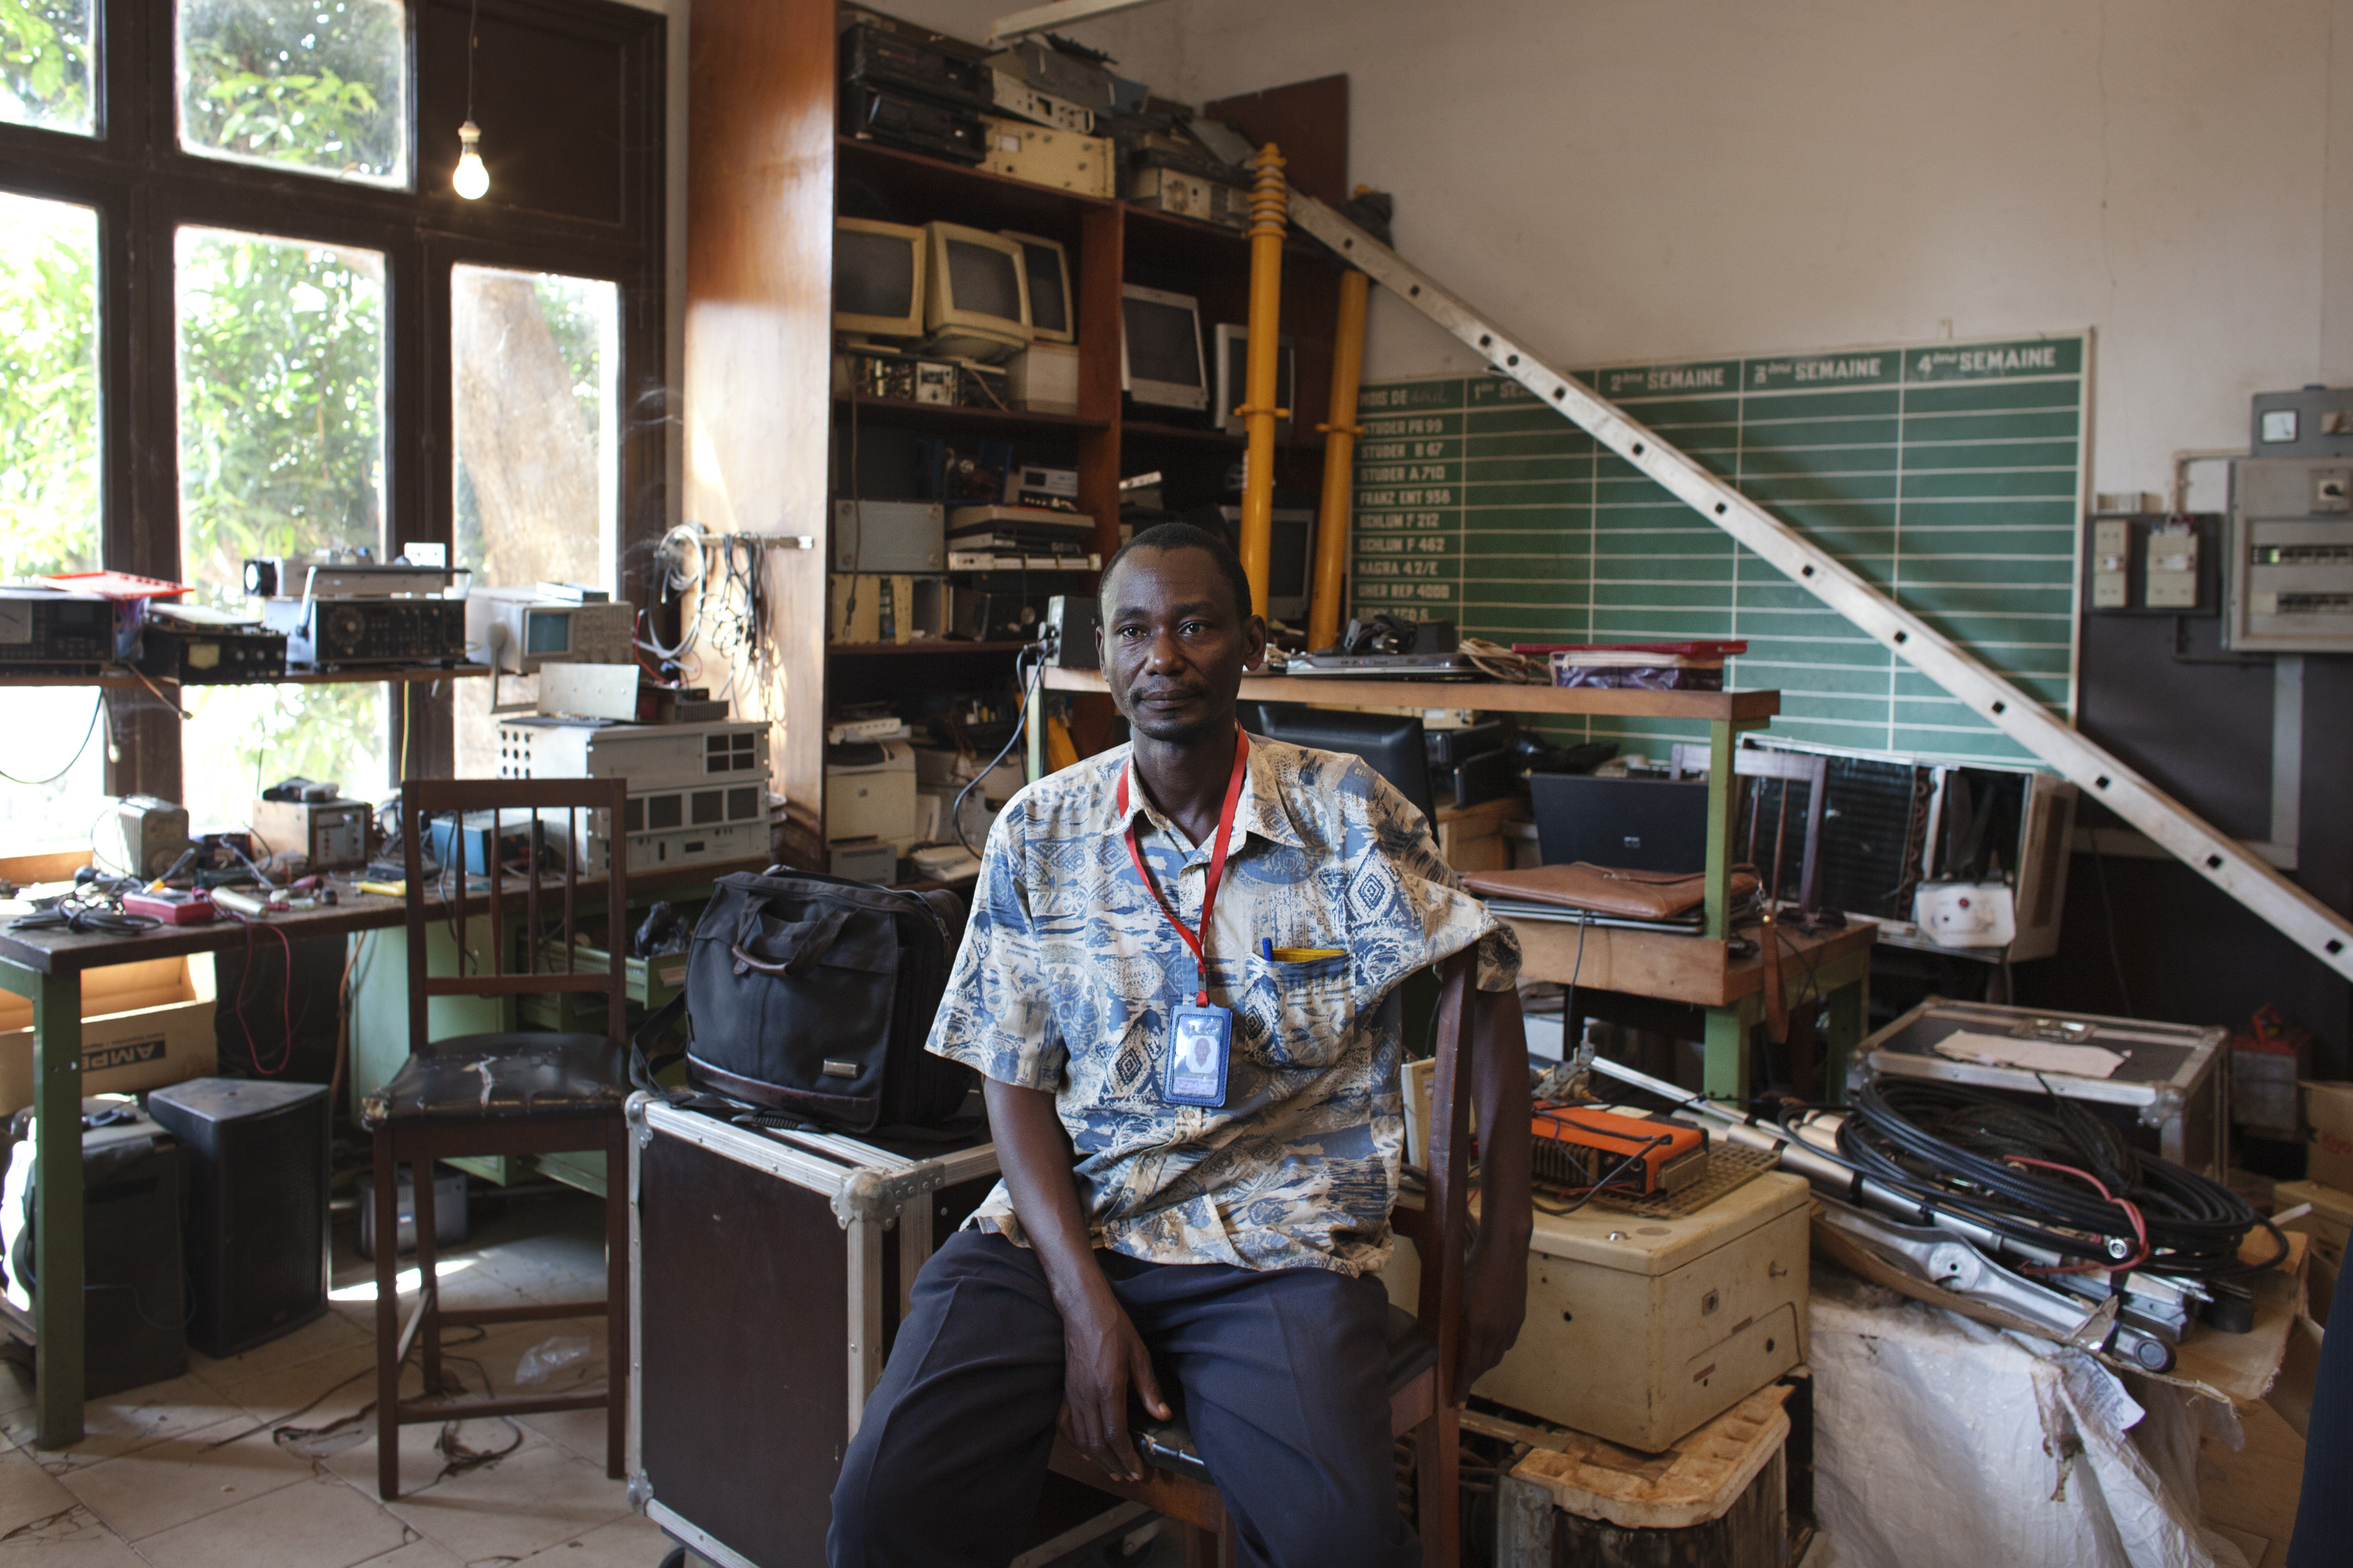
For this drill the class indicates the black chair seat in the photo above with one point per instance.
(1169, 1443)
(503, 1076)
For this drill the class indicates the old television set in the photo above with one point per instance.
(1291, 557)
(878, 278)
(977, 293)
(1160, 362)
(1232, 359)
(1046, 266)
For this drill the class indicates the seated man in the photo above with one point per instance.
(1181, 984)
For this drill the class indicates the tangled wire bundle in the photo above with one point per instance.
(2057, 1177)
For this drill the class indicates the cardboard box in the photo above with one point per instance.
(2328, 1134)
(144, 1025)
(2330, 1226)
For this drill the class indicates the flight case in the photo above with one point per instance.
(2170, 1097)
(768, 1270)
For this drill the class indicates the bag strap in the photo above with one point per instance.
(649, 1038)
(816, 938)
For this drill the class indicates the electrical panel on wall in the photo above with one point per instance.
(2152, 564)
(2311, 422)
(2288, 562)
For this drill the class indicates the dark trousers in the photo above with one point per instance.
(1283, 1376)
(2324, 1515)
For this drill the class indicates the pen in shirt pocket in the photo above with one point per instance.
(1273, 954)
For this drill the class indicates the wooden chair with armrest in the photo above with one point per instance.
(1425, 1348)
(526, 1092)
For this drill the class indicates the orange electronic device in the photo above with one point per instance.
(1634, 1153)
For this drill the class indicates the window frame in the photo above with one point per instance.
(144, 187)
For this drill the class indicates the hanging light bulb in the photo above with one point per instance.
(470, 179)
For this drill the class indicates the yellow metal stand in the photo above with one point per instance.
(1270, 220)
(1340, 432)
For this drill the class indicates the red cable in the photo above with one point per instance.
(286, 998)
(2132, 1212)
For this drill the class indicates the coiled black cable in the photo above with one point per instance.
(1991, 1161)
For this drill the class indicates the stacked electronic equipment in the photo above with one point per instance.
(698, 791)
(977, 564)
(342, 612)
(1045, 110)
(90, 623)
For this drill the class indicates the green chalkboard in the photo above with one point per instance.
(1949, 474)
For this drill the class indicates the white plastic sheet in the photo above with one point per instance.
(1939, 1443)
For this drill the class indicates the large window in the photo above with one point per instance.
(49, 434)
(533, 358)
(316, 85)
(46, 53)
(281, 402)
(244, 314)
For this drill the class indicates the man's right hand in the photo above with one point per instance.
(1103, 1356)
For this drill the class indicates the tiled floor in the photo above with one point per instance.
(187, 1474)
(208, 1470)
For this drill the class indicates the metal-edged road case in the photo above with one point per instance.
(768, 1270)
(2170, 1096)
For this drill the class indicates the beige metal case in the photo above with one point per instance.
(1640, 1330)
(1063, 159)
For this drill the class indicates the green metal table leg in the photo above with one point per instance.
(1720, 822)
(1849, 1020)
(57, 1173)
(1724, 1075)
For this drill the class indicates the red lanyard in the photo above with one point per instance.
(1216, 864)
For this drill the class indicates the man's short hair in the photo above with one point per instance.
(1183, 536)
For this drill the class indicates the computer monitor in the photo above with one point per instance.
(1391, 746)
(1160, 362)
(1627, 825)
(1234, 377)
(878, 278)
(1053, 313)
(976, 296)
(1291, 557)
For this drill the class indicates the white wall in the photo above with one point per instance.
(1632, 179)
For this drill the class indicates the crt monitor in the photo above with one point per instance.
(1046, 266)
(1160, 362)
(976, 296)
(1291, 557)
(878, 278)
(1393, 747)
(1233, 378)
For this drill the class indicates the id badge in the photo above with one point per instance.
(1201, 1039)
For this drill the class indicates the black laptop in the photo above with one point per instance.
(1631, 825)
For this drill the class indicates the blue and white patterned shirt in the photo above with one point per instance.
(1068, 969)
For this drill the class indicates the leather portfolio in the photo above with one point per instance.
(1606, 890)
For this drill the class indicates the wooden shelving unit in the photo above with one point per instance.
(768, 172)
(121, 679)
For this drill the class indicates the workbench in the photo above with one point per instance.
(1700, 971)
(46, 967)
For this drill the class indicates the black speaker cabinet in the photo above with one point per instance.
(257, 1241)
(134, 1291)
